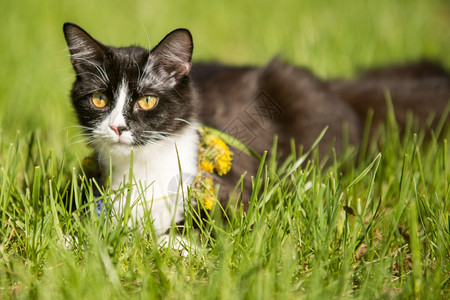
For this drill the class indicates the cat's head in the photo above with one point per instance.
(130, 96)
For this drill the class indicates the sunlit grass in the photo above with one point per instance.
(379, 229)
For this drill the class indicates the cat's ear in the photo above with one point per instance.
(174, 53)
(83, 48)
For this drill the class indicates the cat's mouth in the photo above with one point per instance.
(118, 143)
(122, 142)
(119, 146)
(124, 138)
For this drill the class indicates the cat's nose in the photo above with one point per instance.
(118, 129)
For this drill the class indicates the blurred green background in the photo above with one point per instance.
(333, 38)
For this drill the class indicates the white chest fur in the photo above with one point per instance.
(157, 192)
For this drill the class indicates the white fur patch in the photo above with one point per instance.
(157, 191)
(116, 116)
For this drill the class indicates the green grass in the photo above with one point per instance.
(372, 226)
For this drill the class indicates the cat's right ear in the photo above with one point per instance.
(174, 53)
(83, 48)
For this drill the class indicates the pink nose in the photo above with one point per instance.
(117, 129)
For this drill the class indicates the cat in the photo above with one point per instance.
(151, 102)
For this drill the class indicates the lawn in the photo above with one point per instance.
(373, 225)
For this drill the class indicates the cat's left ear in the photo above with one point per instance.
(174, 53)
(84, 50)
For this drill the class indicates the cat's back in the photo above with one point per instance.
(421, 87)
(276, 99)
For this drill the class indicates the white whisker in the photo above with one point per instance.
(95, 75)
(104, 76)
(157, 132)
(183, 120)
(85, 128)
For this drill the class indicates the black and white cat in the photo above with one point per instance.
(150, 102)
(134, 100)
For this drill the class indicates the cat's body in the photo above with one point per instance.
(252, 103)
(291, 102)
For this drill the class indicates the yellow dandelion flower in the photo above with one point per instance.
(215, 151)
(223, 163)
(219, 143)
(208, 202)
(207, 166)
(208, 185)
(209, 181)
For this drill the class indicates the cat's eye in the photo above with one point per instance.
(99, 100)
(147, 102)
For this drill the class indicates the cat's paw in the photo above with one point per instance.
(177, 243)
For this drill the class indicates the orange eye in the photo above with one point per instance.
(99, 100)
(147, 102)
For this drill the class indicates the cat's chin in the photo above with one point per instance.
(117, 149)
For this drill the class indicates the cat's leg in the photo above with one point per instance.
(177, 243)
